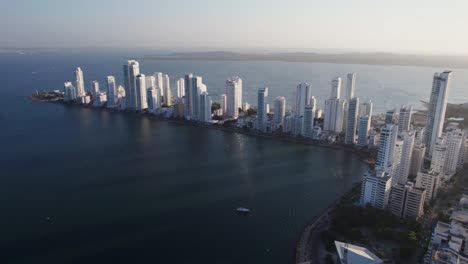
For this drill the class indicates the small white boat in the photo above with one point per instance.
(243, 210)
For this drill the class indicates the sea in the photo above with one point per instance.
(82, 185)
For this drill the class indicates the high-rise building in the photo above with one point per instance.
(366, 108)
(303, 95)
(154, 98)
(188, 95)
(436, 109)
(233, 96)
(166, 83)
(417, 159)
(141, 102)
(205, 107)
(111, 91)
(69, 92)
(262, 95)
(406, 157)
(454, 138)
(429, 181)
(95, 88)
(363, 130)
(80, 85)
(390, 117)
(279, 111)
(375, 189)
(180, 84)
(404, 119)
(318, 113)
(439, 154)
(407, 201)
(335, 88)
(296, 126)
(308, 121)
(386, 153)
(131, 70)
(158, 77)
(223, 104)
(350, 85)
(419, 136)
(197, 89)
(352, 120)
(334, 114)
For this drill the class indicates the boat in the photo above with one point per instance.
(243, 210)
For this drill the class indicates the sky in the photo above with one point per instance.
(404, 26)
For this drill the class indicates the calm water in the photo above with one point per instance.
(88, 186)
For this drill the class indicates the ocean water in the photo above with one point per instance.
(89, 186)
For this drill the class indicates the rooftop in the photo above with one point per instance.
(352, 254)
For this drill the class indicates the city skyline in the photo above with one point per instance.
(106, 24)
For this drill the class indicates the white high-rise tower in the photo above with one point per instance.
(350, 85)
(303, 95)
(141, 101)
(262, 95)
(80, 86)
(279, 110)
(386, 153)
(233, 96)
(111, 91)
(436, 109)
(352, 120)
(404, 119)
(131, 70)
(167, 90)
(335, 87)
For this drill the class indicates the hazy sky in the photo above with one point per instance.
(416, 26)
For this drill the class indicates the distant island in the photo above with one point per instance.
(375, 58)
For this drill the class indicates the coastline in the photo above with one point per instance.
(313, 228)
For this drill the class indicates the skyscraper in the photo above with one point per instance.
(417, 159)
(223, 104)
(334, 114)
(406, 158)
(390, 117)
(363, 130)
(303, 95)
(454, 138)
(141, 101)
(205, 107)
(233, 96)
(335, 87)
(436, 109)
(308, 120)
(95, 88)
(80, 86)
(70, 92)
(180, 84)
(350, 85)
(111, 91)
(404, 119)
(386, 152)
(152, 98)
(352, 120)
(197, 89)
(262, 118)
(188, 95)
(167, 90)
(279, 110)
(158, 77)
(131, 70)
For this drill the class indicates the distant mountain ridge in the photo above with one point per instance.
(375, 58)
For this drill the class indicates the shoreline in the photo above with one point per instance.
(363, 156)
(302, 248)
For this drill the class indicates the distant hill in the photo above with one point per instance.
(342, 58)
